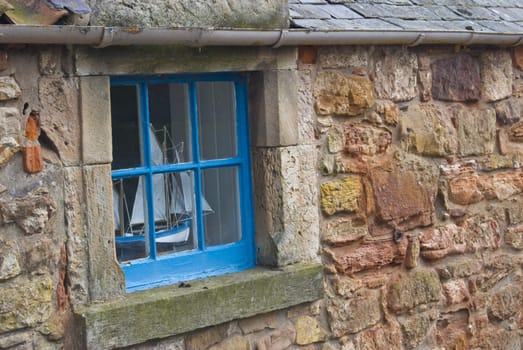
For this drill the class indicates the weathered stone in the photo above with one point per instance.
(343, 230)
(508, 111)
(475, 234)
(456, 292)
(496, 75)
(396, 75)
(416, 327)
(10, 121)
(344, 56)
(456, 79)
(452, 330)
(283, 338)
(501, 185)
(190, 14)
(20, 340)
(464, 190)
(309, 330)
(9, 260)
(515, 133)
(27, 309)
(514, 237)
(507, 301)
(9, 88)
(389, 111)
(4, 64)
(459, 269)
(384, 337)
(454, 168)
(515, 211)
(425, 82)
(342, 195)
(286, 188)
(49, 61)
(495, 269)
(346, 286)
(258, 323)
(353, 315)
(60, 120)
(492, 337)
(412, 254)
(206, 338)
(366, 140)
(426, 130)
(497, 161)
(335, 140)
(476, 130)
(508, 147)
(39, 257)
(368, 255)
(402, 199)
(517, 57)
(341, 95)
(234, 343)
(418, 287)
(31, 213)
(8, 148)
(307, 54)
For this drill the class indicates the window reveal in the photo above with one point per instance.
(181, 178)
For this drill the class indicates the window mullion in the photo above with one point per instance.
(147, 161)
(196, 156)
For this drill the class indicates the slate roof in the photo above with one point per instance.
(486, 16)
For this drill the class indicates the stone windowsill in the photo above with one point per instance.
(171, 310)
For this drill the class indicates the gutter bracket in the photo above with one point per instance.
(469, 40)
(519, 42)
(281, 40)
(418, 41)
(107, 38)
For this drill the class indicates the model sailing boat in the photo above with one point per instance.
(173, 197)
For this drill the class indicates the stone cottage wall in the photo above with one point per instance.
(421, 217)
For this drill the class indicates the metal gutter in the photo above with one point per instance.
(118, 36)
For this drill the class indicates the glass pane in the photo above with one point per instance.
(216, 120)
(129, 214)
(221, 206)
(170, 123)
(125, 127)
(174, 212)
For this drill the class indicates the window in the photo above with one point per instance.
(181, 177)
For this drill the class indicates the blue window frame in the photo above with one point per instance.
(181, 177)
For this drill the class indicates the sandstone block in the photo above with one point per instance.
(60, 117)
(27, 309)
(343, 57)
(341, 95)
(474, 235)
(418, 287)
(343, 230)
(451, 330)
(381, 337)
(496, 75)
(416, 327)
(9, 88)
(508, 111)
(507, 301)
(234, 343)
(353, 315)
(31, 213)
(309, 330)
(514, 237)
(388, 110)
(456, 79)
(465, 190)
(367, 255)
(9, 260)
(476, 130)
(206, 338)
(506, 144)
(517, 57)
(396, 75)
(335, 140)
(9, 146)
(425, 130)
(10, 122)
(495, 269)
(425, 80)
(459, 269)
(346, 286)
(366, 140)
(401, 198)
(412, 254)
(456, 292)
(258, 323)
(342, 195)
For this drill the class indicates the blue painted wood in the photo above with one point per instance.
(203, 261)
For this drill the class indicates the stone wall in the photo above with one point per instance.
(419, 193)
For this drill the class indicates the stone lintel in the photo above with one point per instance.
(170, 310)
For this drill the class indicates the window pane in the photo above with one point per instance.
(216, 120)
(125, 127)
(221, 206)
(174, 212)
(170, 122)
(129, 203)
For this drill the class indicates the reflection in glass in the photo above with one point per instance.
(220, 189)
